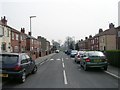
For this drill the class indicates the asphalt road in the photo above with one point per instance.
(60, 71)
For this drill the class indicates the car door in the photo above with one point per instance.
(31, 63)
(83, 57)
(25, 64)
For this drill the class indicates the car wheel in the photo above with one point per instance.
(34, 70)
(105, 67)
(75, 60)
(85, 68)
(23, 77)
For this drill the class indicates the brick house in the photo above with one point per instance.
(5, 36)
(118, 38)
(15, 41)
(107, 39)
(22, 42)
(43, 45)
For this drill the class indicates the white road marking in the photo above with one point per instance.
(65, 78)
(42, 63)
(79, 69)
(63, 65)
(58, 59)
(66, 58)
(62, 59)
(51, 59)
(72, 58)
(112, 74)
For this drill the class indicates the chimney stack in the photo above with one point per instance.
(23, 30)
(3, 20)
(90, 36)
(86, 38)
(111, 25)
(29, 33)
(100, 30)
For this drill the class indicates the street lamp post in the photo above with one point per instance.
(31, 35)
(30, 24)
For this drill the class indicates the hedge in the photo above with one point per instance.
(113, 57)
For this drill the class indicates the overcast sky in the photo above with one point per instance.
(57, 19)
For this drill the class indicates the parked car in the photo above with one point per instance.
(93, 59)
(78, 56)
(65, 51)
(57, 51)
(16, 65)
(73, 53)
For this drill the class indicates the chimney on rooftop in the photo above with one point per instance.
(111, 25)
(100, 30)
(23, 30)
(29, 33)
(86, 38)
(90, 36)
(3, 20)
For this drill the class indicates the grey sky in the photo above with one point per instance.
(57, 19)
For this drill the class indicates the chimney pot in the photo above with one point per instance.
(111, 25)
(29, 33)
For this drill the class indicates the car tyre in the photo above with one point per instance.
(23, 77)
(105, 67)
(34, 70)
(85, 68)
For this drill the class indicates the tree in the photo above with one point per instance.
(76, 46)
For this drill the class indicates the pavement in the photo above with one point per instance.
(113, 71)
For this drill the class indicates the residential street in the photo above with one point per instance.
(60, 71)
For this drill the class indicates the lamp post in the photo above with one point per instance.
(74, 42)
(30, 23)
(31, 35)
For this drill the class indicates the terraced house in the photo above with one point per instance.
(104, 40)
(5, 36)
(12, 40)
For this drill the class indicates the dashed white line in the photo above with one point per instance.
(58, 59)
(51, 59)
(65, 79)
(62, 59)
(63, 65)
(112, 74)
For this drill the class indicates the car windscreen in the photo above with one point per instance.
(96, 54)
(8, 59)
(74, 51)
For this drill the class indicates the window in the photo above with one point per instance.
(17, 37)
(12, 35)
(16, 49)
(24, 59)
(9, 59)
(7, 32)
(3, 46)
(1, 31)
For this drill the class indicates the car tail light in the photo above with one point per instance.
(87, 60)
(17, 68)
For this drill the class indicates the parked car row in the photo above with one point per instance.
(16, 65)
(90, 59)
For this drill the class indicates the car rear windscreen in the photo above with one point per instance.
(96, 54)
(8, 59)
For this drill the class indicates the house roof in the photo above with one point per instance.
(111, 31)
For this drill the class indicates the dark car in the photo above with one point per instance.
(93, 59)
(73, 53)
(16, 65)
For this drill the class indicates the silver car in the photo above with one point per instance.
(78, 56)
